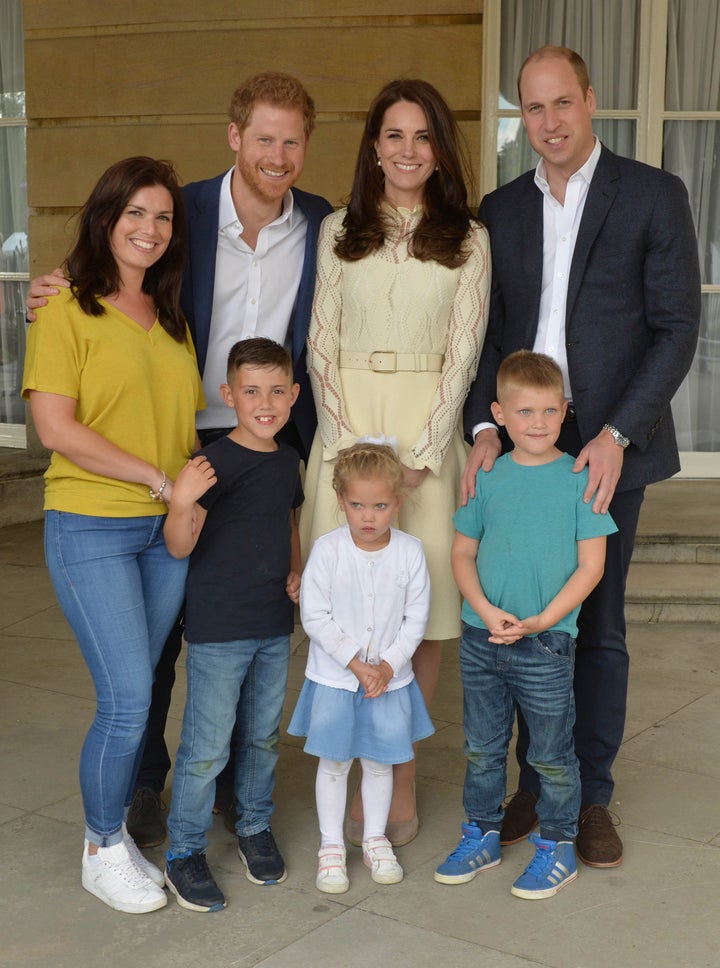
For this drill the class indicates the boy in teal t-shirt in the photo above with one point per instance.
(528, 550)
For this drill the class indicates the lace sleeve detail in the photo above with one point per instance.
(468, 321)
(324, 344)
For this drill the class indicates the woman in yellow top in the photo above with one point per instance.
(398, 323)
(113, 386)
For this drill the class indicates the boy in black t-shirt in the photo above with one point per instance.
(233, 511)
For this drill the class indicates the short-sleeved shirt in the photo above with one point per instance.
(528, 521)
(240, 564)
(138, 389)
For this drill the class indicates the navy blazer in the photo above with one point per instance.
(202, 213)
(633, 306)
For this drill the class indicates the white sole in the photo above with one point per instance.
(125, 906)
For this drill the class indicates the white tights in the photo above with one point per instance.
(331, 795)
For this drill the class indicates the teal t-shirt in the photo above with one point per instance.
(528, 521)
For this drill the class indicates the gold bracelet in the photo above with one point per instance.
(155, 495)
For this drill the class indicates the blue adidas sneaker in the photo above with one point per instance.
(476, 852)
(552, 867)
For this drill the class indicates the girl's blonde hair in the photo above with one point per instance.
(368, 460)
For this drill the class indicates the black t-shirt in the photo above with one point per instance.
(239, 567)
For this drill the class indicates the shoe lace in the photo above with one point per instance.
(128, 871)
(197, 866)
(543, 861)
(143, 794)
(261, 844)
(467, 846)
(598, 816)
(135, 856)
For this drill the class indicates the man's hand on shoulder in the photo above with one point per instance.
(485, 451)
(42, 288)
(604, 460)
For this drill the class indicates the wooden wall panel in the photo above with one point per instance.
(181, 73)
(89, 14)
(329, 162)
(105, 81)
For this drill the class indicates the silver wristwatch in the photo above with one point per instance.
(620, 439)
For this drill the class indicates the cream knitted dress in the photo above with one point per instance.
(391, 301)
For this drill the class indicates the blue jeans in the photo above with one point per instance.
(120, 590)
(246, 678)
(537, 674)
(601, 664)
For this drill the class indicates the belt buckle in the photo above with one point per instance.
(383, 361)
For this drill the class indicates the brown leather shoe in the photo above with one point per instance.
(598, 844)
(520, 817)
(146, 822)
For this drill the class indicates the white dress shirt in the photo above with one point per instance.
(254, 292)
(373, 605)
(561, 223)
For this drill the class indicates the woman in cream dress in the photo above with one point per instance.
(398, 323)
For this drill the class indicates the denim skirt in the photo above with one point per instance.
(341, 725)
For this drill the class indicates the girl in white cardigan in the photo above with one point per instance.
(364, 603)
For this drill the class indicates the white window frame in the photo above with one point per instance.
(13, 435)
(649, 116)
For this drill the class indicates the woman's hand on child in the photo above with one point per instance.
(196, 477)
(413, 478)
(292, 587)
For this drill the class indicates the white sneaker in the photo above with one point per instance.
(379, 857)
(153, 872)
(116, 879)
(332, 873)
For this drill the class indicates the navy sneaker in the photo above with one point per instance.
(552, 867)
(261, 857)
(476, 852)
(193, 885)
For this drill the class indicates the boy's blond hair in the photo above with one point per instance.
(525, 368)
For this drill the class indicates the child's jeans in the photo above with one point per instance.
(246, 678)
(537, 674)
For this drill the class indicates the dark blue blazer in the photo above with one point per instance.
(202, 208)
(633, 306)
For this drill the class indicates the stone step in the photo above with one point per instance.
(673, 592)
(680, 549)
(675, 571)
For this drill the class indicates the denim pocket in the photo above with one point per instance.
(561, 645)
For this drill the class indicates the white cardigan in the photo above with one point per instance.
(371, 605)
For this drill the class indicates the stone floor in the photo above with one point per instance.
(658, 909)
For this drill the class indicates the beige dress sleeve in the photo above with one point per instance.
(466, 331)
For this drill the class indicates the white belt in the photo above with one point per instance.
(388, 361)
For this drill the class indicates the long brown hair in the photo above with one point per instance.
(91, 266)
(442, 230)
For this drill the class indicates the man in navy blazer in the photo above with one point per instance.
(202, 208)
(250, 271)
(594, 263)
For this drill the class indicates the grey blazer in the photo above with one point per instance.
(633, 306)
